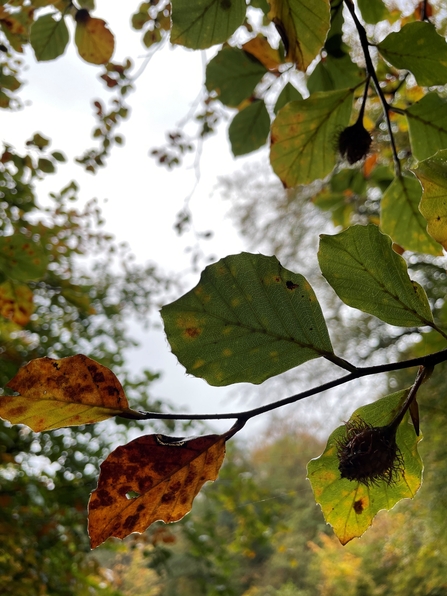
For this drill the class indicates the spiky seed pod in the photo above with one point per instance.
(369, 454)
(354, 142)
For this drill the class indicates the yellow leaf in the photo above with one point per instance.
(66, 392)
(260, 48)
(303, 26)
(94, 40)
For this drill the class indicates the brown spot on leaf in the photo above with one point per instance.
(291, 286)
(192, 332)
(359, 506)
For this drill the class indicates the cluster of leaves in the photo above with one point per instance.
(249, 318)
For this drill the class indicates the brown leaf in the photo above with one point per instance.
(67, 392)
(151, 478)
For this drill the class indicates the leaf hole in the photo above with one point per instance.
(132, 495)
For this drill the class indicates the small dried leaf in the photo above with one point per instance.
(67, 392)
(151, 478)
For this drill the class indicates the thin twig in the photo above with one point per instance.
(372, 73)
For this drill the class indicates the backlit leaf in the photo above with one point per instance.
(418, 48)
(49, 37)
(66, 392)
(303, 26)
(432, 173)
(427, 120)
(151, 478)
(204, 23)
(372, 11)
(401, 219)
(233, 74)
(289, 93)
(94, 40)
(367, 274)
(249, 129)
(248, 319)
(334, 73)
(16, 302)
(21, 258)
(304, 136)
(348, 505)
(260, 48)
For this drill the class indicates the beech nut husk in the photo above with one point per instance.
(369, 454)
(354, 142)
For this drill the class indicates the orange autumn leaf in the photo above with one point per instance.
(151, 478)
(95, 42)
(67, 392)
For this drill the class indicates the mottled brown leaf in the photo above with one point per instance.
(151, 478)
(65, 392)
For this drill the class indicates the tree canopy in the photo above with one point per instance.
(349, 98)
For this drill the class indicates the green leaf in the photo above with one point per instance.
(58, 156)
(427, 120)
(249, 129)
(289, 93)
(304, 136)
(233, 74)
(334, 73)
(350, 506)
(372, 11)
(46, 165)
(432, 173)
(21, 258)
(418, 48)
(303, 26)
(262, 4)
(49, 37)
(247, 320)
(367, 274)
(401, 219)
(204, 23)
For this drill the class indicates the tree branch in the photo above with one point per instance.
(428, 361)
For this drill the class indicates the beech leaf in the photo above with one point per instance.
(303, 26)
(417, 47)
(151, 478)
(304, 136)
(401, 219)
(204, 23)
(49, 37)
(361, 266)
(350, 506)
(247, 320)
(432, 173)
(95, 42)
(66, 392)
